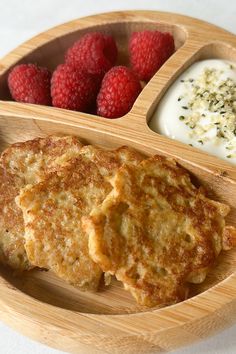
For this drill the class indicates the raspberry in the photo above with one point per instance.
(148, 52)
(120, 88)
(30, 83)
(71, 88)
(95, 53)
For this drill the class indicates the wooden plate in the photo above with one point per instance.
(40, 305)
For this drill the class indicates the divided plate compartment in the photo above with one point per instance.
(42, 306)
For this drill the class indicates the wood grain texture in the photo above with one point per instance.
(43, 307)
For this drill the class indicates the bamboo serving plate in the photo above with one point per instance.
(46, 309)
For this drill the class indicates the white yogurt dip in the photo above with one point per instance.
(199, 109)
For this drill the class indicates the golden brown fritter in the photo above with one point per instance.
(12, 251)
(109, 161)
(32, 159)
(21, 164)
(53, 209)
(156, 232)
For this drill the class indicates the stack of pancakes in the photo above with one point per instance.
(80, 211)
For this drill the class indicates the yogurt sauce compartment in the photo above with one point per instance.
(220, 58)
(199, 108)
(38, 304)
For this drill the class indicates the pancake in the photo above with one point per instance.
(53, 208)
(32, 159)
(22, 164)
(108, 161)
(12, 251)
(156, 231)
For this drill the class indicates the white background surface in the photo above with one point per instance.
(22, 19)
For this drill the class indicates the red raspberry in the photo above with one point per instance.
(148, 52)
(73, 89)
(95, 53)
(120, 88)
(30, 83)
